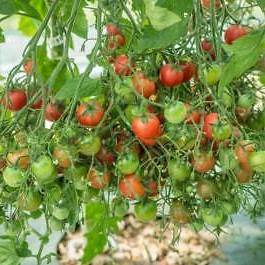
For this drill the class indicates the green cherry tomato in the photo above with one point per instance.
(221, 131)
(257, 161)
(55, 224)
(13, 177)
(212, 216)
(225, 97)
(246, 101)
(228, 207)
(44, 170)
(213, 75)
(89, 145)
(131, 111)
(120, 207)
(146, 211)
(29, 201)
(60, 213)
(178, 171)
(128, 163)
(125, 90)
(78, 175)
(175, 113)
(227, 159)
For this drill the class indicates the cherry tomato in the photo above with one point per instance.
(203, 162)
(243, 176)
(193, 116)
(242, 152)
(123, 65)
(89, 145)
(221, 131)
(206, 189)
(207, 3)
(60, 212)
(207, 47)
(63, 156)
(89, 114)
(152, 187)
(229, 207)
(234, 32)
(128, 163)
(15, 100)
(98, 179)
(105, 156)
(146, 127)
(212, 216)
(225, 97)
(53, 112)
(209, 120)
(213, 75)
(56, 225)
(148, 141)
(189, 70)
(227, 159)
(144, 85)
(178, 171)
(170, 75)
(29, 201)
(246, 101)
(19, 158)
(116, 41)
(112, 29)
(13, 177)
(145, 211)
(131, 187)
(120, 207)
(28, 66)
(44, 170)
(180, 213)
(175, 112)
(37, 104)
(257, 161)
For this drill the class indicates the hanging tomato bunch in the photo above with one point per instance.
(174, 126)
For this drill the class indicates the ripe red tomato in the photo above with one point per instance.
(207, 3)
(105, 156)
(147, 127)
(131, 187)
(144, 85)
(15, 100)
(207, 46)
(116, 41)
(123, 65)
(112, 29)
(194, 116)
(89, 114)
(203, 162)
(37, 104)
(234, 32)
(53, 112)
(242, 152)
(97, 179)
(28, 66)
(189, 70)
(170, 75)
(209, 121)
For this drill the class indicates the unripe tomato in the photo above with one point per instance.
(175, 112)
(15, 100)
(123, 65)
(225, 97)
(221, 131)
(44, 170)
(213, 75)
(60, 212)
(212, 216)
(229, 207)
(53, 112)
(89, 114)
(203, 162)
(89, 145)
(257, 161)
(206, 189)
(128, 163)
(144, 85)
(189, 70)
(63, 156)
(193, 116)
(56, 225)
(180, 213)
(18, 158)
(29, 201)
(28, 66)
(131, 187)
(246, 101)
(227, 159)
(234, 32)
(178, 171)
(209, 120)
(145, 211)
(98, 179)
(170, 75)
(120, 207)
(13, 177)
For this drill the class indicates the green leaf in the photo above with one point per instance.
(40, 6)
(138, 5)
(24, 5)
(177, 7)
(153, 39)
(8, 253)
(160, 17)
(245, 52)
(261, 3)
(2, 37)
(81, 25)
(8, 7)
(90, 87)
(27, 26)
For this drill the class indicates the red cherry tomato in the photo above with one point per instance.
(203, 162)
(131, 187)
(116, 41)
(147, 127)
(234, 32)
(89, 114)
(53, 112)
(105, 156)
(194, 116)
(207, 46)
(242, 152)
(189, 70)
(209, 121)
(207, 3)
(170, 76)
(144, 85)
(98, 180)
(15, 100)
(37, 104)
(123, 65)
(112, 29)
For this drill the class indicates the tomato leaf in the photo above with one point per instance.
(245, 52)
(28, 26)
(153, 39)
(25, 6)
(8, 7)
(178, 7)
(2, 36)
(90, 87)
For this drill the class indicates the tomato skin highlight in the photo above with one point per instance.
(209, 121)
(234, 32)
(89, 114)
(123, 65)
(15, 100)
(131, 187)
(53, 112)
(143, 85)
(170, 76)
